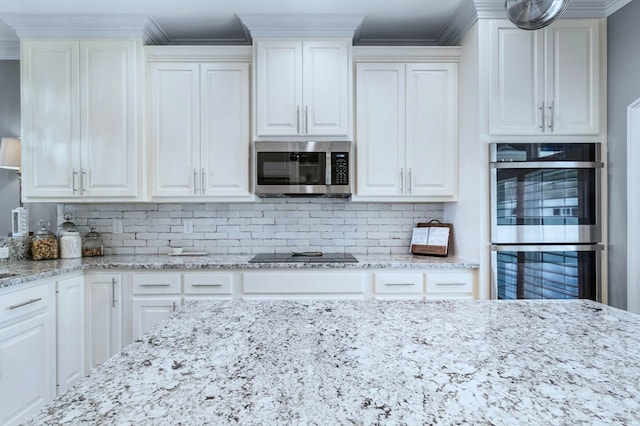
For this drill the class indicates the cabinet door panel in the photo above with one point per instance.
(573, 77)
(380, 120)
(103, 317)
(70, 295)
(225, 130)
(50, 117)
(174, 128)
(108, 104)
(149, 311)
(326, 88)
(278, 88)
(516, 82)
(431, 129)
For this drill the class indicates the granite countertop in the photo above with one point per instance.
(26, 271)
(369, 362)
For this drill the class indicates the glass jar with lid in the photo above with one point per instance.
(92, 244)
(67, 225)
(44, 245)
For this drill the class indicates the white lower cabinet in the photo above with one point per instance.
(27, 350)
(103, 317)
(70, 331)
(303, 285)
(154, 297)
(450, 284)
(208, 285)
(398, 285)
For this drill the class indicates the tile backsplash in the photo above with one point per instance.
(268, 225)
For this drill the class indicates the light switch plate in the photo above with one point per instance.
(117, 226)
(188, 226)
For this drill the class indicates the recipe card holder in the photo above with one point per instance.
(432, 238)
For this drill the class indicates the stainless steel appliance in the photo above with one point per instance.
(303, 168)
(304, 257)
(546, 220)
(545, 193)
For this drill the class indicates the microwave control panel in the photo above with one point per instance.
(339, 168)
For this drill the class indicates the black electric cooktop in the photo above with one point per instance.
(304, 257)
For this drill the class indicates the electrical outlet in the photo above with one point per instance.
(117, 226)
(188, 226)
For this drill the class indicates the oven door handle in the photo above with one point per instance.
(548, 165)
(546, 247)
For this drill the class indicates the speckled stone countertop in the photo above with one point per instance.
(26, 271)
(370, 362)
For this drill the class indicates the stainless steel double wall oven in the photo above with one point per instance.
(546, 220)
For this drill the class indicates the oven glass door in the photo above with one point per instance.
(551, 272)
(291, 168)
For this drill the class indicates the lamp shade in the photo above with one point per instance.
(10, 153)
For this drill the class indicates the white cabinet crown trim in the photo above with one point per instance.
(406, 54)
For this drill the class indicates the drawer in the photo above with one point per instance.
(303, 283)
(450, 282)
(26, 302)
(208, 283)
(399, 282)
(156, 283)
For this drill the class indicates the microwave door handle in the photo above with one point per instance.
(327, 171)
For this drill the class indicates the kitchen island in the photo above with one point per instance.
(364, 362)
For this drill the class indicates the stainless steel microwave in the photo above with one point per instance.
(303, 168)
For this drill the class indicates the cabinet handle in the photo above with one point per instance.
(113, 292)
(173, 306)
(206, 285)
(298, 119)
(410, 186)
(542, 116)
(551, 117)
(73, 180)
(155, 285)
(450, 284)
(202, 187)
(402, 180)
(398, 284)
(195, 179)
(306, 120)
(20, 305)
(82, 173)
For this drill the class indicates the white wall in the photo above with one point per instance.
(623, 67)
(9, 126)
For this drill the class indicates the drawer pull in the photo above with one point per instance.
(155, 285)
(20, 305)
(399, 284)
(450, 284)
(206, 285)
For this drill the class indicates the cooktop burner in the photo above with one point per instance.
(304, 257)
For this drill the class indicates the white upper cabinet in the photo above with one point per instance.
(199, 130)
(302, 88)
(545, 82)
(80, 119)
(406, 121)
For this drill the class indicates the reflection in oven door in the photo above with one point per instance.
(546, 271)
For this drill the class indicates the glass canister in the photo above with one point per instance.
(44, 245)
(70, 245)
(92, 244)
(67, 225)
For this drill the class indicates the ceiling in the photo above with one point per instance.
(409, 22)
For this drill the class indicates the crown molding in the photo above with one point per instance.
(177, 53)
(613, 6)
(463, 19)
(406, 53)
(301, 25)
(85, 26)
(9, 50)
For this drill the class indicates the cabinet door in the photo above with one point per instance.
(380, 120)
(27, 352)
(326, 88)
(50, 118)
(103, 332)
(174, 128)
(224, 135)
(573, 77)
(516, 91)
(431, 130)
(70, 313)
(278, 88)
(149, 311)
(109, 116)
